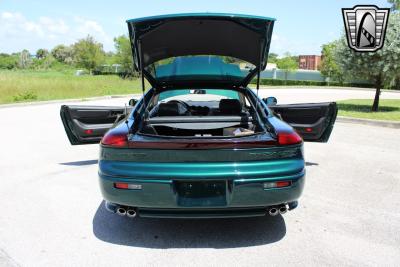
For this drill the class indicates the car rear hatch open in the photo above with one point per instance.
(239, 45)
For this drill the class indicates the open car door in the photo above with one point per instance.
(313, 121)
(88, 124)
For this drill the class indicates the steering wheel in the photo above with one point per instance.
(181, 103)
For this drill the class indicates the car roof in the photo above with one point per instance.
(204, 14)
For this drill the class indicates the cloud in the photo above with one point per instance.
(18, 33)
(87, 26)
(7, 15)
(54, 26)
(90, 27)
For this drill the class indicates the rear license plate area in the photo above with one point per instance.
(201, 194)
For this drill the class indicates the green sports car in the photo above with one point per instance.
(200, 143)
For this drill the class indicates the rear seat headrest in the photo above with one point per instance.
(168, 109)
(230, 106)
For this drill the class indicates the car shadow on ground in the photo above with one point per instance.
(183, 233)
(80, 163)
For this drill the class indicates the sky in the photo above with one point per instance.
(301, 26)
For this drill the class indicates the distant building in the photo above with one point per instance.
(309, 62)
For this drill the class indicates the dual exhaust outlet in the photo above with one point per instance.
(129, 212)
(282, 209)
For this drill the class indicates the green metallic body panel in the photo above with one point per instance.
(191, 156)
(205, 170)
(161, 193)
(198, 68)
(243, 171)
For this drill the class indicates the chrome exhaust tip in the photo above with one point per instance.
(283, 209)
(121, 211)
(131, 213)
(273, 211)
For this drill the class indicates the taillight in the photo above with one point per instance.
(291, 138)
(114, 139)
(278, 184)
(121, 185)
(128, 186)
(283, 183)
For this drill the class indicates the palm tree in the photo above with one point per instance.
(395, 5)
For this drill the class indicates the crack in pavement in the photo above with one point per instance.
(6, 260)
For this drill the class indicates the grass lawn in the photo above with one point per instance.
(389, 109)
(26, 86)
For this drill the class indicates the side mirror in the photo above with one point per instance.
(270, 101)
(132, 102)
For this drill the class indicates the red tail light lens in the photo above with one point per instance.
(283, 183)
(116, 140)
(121, 185)
(128, 186)
(292, 138)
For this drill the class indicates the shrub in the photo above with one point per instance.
(25, 96)
(277, 82)
(8, 61)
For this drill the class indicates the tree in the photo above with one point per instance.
(24, 59)
(287, 64)
(63, 54)
(395, 5)
(329, 66)
(380, 66)
(8, 61)
(396, 83)
(272, 58)
(88, 53)
(123, 53)
(44, 63)
(42, 53)
(110, 58)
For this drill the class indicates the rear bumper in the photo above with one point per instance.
(245, 194)
(203, 213)
(199, 213)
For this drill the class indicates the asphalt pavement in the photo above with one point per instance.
(53, 213)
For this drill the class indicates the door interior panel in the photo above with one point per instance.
(313, 121)
(88, 124)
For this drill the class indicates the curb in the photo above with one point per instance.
(47, 102)
(253, 86)
(388, 124)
